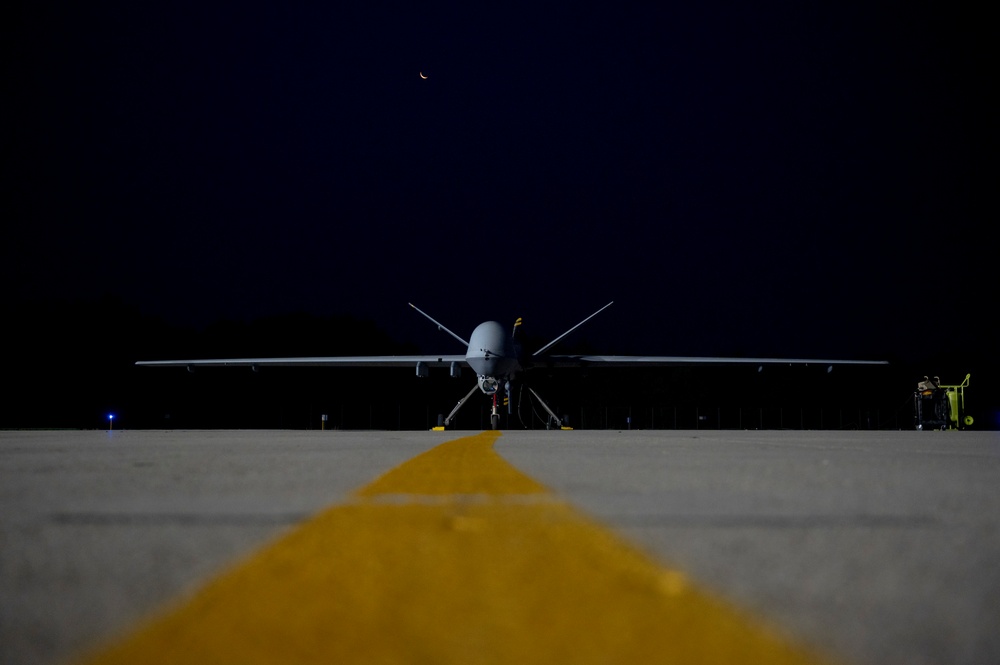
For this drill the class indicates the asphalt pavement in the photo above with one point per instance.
(869, 547)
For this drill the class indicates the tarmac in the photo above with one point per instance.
(853, 547)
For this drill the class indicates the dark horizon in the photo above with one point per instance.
(75, 380)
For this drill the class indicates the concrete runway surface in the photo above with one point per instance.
(864, 547)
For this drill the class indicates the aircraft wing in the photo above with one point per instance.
(319, 361)
(680, 361)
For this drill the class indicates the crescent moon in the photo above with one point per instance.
(422, 75)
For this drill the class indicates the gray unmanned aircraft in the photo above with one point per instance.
(497, 359)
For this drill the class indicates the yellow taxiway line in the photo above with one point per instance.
(452, 557)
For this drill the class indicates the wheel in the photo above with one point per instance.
(495, 421)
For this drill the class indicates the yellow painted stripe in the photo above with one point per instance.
(453, 557)
(464, 466)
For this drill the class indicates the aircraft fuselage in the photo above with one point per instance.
(492, 355)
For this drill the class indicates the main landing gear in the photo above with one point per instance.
(494, 411)
(553, 421)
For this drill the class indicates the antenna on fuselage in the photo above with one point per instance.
(572, 329)
(440, 327)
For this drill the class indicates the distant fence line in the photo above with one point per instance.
(400, 416)
(738, 418)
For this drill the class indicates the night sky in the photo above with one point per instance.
(780, 179)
